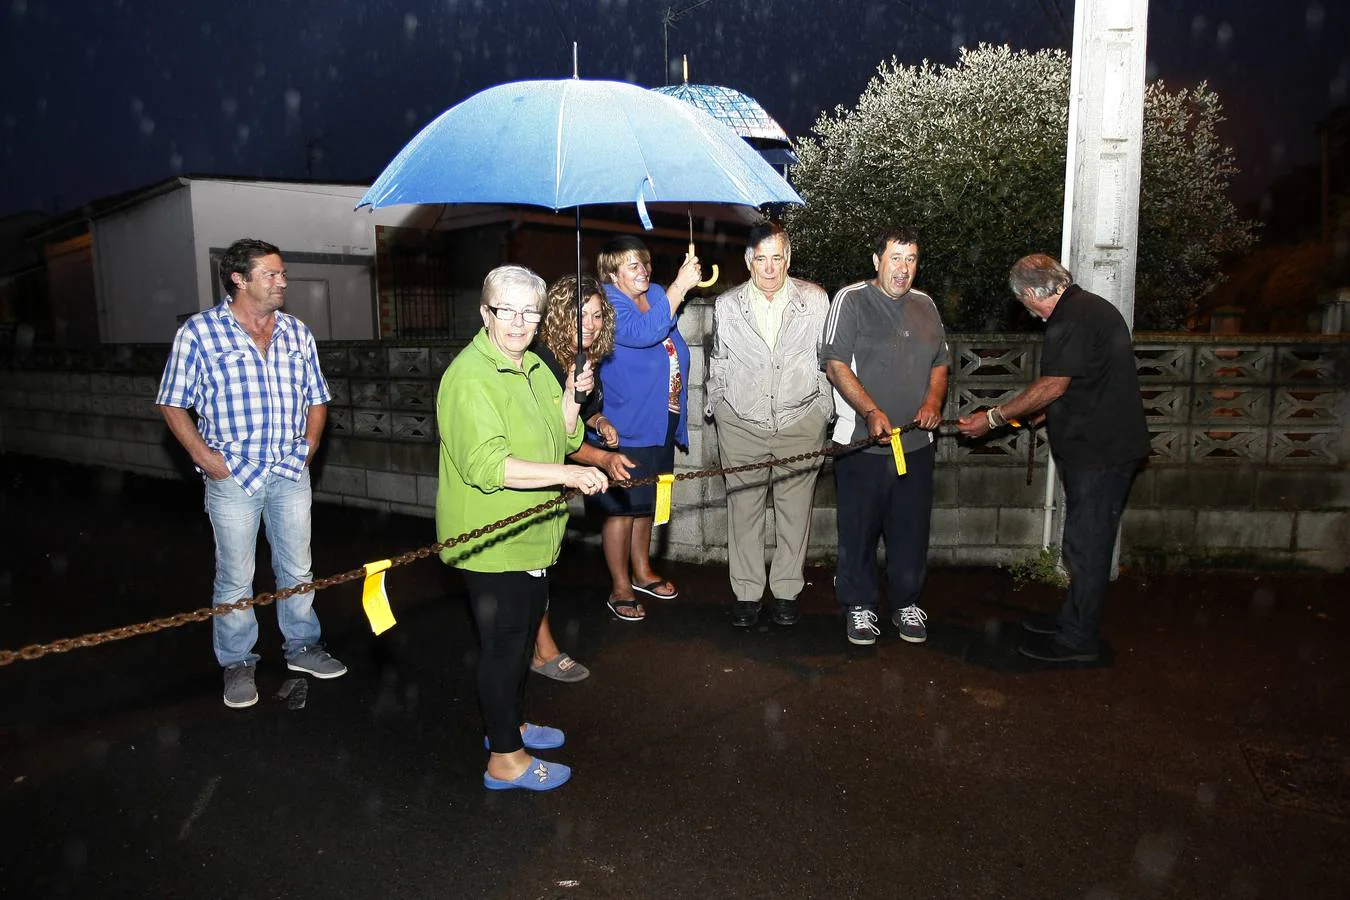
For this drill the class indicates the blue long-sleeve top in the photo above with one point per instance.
(636, 378)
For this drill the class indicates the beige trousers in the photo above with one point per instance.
(793, 488)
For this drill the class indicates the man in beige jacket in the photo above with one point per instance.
(769, 399)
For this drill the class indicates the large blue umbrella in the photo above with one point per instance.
(569, 142)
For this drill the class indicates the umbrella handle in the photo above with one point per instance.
(578, 395)
(707, 282)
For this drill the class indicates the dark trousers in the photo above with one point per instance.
(874, 502)
(507, 607)
(1094, 499)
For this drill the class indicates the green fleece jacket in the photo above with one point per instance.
(487, 410)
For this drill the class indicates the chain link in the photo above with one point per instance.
(64, 645)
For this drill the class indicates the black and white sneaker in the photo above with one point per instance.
(860, 626)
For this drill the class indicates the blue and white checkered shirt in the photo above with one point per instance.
(251, 408)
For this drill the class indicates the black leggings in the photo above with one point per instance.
(507, 607)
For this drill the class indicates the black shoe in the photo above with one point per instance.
(745, 614)
(785, 611)
(1053, 651)
(1044, 623)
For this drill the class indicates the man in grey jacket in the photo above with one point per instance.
(769, 398)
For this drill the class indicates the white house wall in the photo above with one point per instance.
(323, 239)
(146, 274)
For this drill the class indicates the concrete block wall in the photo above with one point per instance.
(1278, 495)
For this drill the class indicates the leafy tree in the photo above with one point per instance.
(973, 156)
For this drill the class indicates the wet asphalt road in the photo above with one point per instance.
(1206, 758)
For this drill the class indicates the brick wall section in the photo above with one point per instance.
(1250, 461)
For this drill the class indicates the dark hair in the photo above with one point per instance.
(1038, 273)
(614, 251)
(901, 235)
(762, 232)
(238, 260)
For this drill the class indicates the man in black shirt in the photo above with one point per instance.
(1089, 392)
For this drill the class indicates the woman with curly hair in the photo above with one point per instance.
(556, 345)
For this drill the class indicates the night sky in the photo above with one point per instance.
(107, 96)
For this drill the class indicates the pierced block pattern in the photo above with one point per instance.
(1250, 365)
(1303, 447)
(410, 361)
(370, 424)
(369, 394)
(1169, 363)
(1166, 404)
(1305, 407)
(412, 395)
(997, 362)
(1224, 404)
(1228, 446)
(414, 427)
(341, 390)
(1309, 364)
(339, 421)
(1167, 445)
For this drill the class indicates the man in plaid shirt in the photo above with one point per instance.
(252, 374)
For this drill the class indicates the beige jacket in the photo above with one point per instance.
(763, 388)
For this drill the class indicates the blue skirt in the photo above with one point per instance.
(648, 461)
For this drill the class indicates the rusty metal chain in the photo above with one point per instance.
(64, 645)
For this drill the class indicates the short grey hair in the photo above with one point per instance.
(1040, 274)
(505, 281)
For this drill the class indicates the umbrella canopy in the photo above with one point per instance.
(569, 142)
(739, 112)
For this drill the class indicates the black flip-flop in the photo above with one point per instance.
(615, 604)
(647, 589)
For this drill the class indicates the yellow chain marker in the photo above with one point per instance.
(898, 451)
(375, 600)
(662, 513)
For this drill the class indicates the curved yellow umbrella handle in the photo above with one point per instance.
(707, 282)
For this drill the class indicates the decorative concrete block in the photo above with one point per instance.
(1328, 531)
(945, 527)
(1020, 527)
(347, 481)
(417, 511)
(426, 490)
(1244, 531)
(1302, 490)
(977, 525)
(391, 486)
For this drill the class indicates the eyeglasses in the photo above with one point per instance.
(507, 314)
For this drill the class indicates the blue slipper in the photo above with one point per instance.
(537, 737)
(540, 776)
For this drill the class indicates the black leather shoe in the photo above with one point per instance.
(745, 614)
(1052, 651)
(1047, 623)
(785, 612)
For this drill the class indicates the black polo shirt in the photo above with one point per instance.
(1099, 421)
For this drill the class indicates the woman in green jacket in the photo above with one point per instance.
(506, 426)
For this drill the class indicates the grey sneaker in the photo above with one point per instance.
(910, 622)
(860, 626)
(315, 661)
(240, 690)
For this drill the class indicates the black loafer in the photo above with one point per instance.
(745, 614)
(785, 612)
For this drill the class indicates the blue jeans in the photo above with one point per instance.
(283, 507)
(1094, 499)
